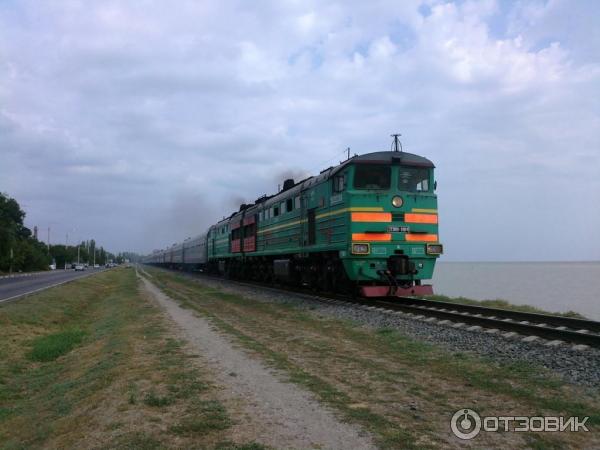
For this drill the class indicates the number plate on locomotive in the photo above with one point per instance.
(392, 229)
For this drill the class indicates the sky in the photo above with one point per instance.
(140, 123)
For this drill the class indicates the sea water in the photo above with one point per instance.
(552, 286)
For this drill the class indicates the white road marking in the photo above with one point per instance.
(14, 297)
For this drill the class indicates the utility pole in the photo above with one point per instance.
(66, 248)
(78, 248)
(48, 240)
(348, 150)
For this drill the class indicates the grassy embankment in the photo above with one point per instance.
(401, 390)
(92, 364)
(502, 304)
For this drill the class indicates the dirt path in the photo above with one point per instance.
(281, 414)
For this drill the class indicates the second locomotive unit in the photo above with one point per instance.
(368, 225)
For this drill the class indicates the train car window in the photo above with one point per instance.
(289, 204)
(250, 230)
(412, 179)
(370, 176)
(275, 211)
(339, 183)
(297, 202)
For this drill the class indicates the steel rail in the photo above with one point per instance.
(490, 322)
(554, 320)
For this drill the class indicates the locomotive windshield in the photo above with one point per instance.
(412, 179)
(370, 176)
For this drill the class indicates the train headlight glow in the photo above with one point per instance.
(360, 249)
(435, 249)
(397, 201)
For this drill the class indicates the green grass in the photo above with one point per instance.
(151, 399)
(256, 326)
(391, 435)
(207, 416)
(233, 446)
(72, 355)
(135, 440)
(48, 348)
(502, 304)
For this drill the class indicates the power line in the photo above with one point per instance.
(333, 158)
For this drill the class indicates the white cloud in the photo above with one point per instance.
(154, 108)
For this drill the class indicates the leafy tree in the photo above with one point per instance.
(19, 251)
(29, 254)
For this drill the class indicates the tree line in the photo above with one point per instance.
(21, 251)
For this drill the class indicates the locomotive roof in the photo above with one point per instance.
(403, 158)
(387, 157)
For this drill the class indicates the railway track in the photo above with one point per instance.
(556, 329)
(511, 324)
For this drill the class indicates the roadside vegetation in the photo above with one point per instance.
(401, 390)
(94, 364)
(502, 304)
(20, 251)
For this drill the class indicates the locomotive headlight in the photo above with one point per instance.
(435, 249)
(360, 249)
(397, 201)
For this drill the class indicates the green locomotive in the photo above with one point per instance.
(368, 225)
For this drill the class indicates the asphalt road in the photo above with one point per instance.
(15, 287)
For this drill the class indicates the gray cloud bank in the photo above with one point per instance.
(140, 123)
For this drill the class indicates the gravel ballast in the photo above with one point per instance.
(574, 366)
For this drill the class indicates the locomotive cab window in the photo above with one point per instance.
(412, 179)
(371, 176)
(275, 211)
(289, 205)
